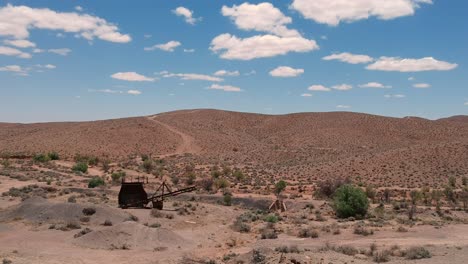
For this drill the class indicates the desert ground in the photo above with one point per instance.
(59, 185)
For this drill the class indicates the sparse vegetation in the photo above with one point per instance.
(95, 182)
(80, 167)
(417, 253)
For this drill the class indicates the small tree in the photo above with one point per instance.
(350, 201)
(148, 165)
(450, 194)
(227, 199)
(426, 195)
(415, 196)
(279, 187)
(436, 196)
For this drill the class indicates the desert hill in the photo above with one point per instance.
(302, 146)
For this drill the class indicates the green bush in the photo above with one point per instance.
(271, 218)
(117, 176)
(227, 199)
(80, 167)
(95, 182)
(280, 186)
(350, 201)
(53, 155)
(417, 253)
(41, 157)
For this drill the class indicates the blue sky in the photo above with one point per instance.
(88, 60)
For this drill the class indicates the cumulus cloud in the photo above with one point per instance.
(169, 46)
(62, 52)
(349, 58)
(285, 71)
(343, 87)
(234, 48)
(226, 88)
(7, 51)
(319, 88)
(261, 17)
(17, 21)
(395, 96)
(410, 65)
(343, 106)
(332, 12)
(421, 85)
(306, 95)
(374, 85)
(187, 14)
(131, 77)
(192, 76)
(20, 43)
(46, 66)
(226, 73)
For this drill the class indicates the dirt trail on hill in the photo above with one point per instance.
(188, 142)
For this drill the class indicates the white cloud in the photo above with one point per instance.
(226, 73)
(189, 50)
(226, 88)
(63, 52)
(343, 106)
(421, 85)
(46, 66)
(410, 65)
(306, 95)
(187, 14)
(147, 36)
(131, 77)
(78, 8)
(134, 92)
(394, 96)
(20, 43)
(17, 21)
(263, 17)
(234, 48)
(349, 58)
(332, 12)
(7, 51)
(169, 46)
(192, 76)
(319, 88)
(466, 103)
(12, 68)
(374, 85)
(285, 71)
(411, 78)
(343, 87)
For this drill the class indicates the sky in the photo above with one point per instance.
(90, 60)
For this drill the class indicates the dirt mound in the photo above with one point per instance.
(40, 210)
(131, 235)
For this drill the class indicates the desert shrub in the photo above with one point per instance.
(85, 219)
(450, 194)
(190, 179)
(73, 225)
(207, 184)
(464, 181)
(5, 163)
(350, 201)
(241, 226)
(268, 233)
(257, 256)
(452, 181)
(155, 225)
(286, 249)
(328, 187)
(417, 253)
(95, 182)
(117, 176)
(72, 199)
(133, 218)
(174, 180)
(347, 250)
(145, 157)
(53, 155)
(222, 183)
(238, 175)
(41, 157)
(401, 229)
(370, 192)
(107, 222)
(308, 232)
(227, 199)
(6, 261)
(271, 218)
(105, 165)
(89, 211)
(360, 230)
(148, 165)
(80, 167)
(382, 256)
